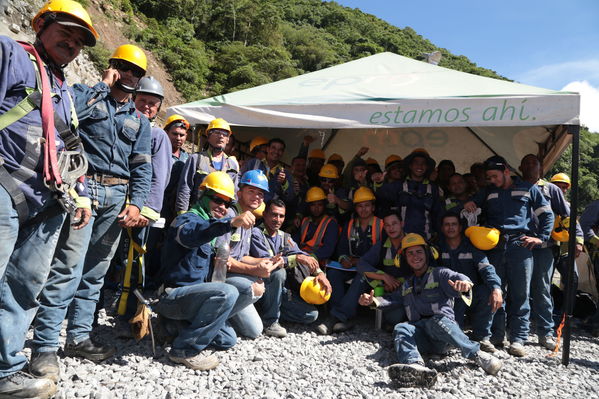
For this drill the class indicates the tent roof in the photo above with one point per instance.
(375, 86)
(400, 104)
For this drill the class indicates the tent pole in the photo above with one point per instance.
(570, 288)
(333, 134)
(481, 140)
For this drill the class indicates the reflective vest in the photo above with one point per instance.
(376, 231)
(229, 165)
(316, 241)
(427, 200)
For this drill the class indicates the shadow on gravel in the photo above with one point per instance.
(586, 363)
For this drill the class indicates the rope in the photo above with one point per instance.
(559, 336)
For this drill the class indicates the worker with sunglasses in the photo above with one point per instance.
(193, 306)
(117, 140)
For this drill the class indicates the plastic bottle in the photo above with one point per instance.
(219, 272)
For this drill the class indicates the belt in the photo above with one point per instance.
(108, 180)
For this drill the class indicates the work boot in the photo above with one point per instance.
(499, 342)
(412, 375)
(487, 346)
(488, 362)
(45, 365)
(275, 330)
(343, 326)
(23, 385)
(204, 360)
(89, 350)
(548, 342)
(326, 326)
(517, 349)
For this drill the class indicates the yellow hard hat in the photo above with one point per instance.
(68, 8)
(256, 141)
(561, 178)
(312, 292)
(335, 157)
(560, 229)
(175, 118)
(132, 54)
(315, 194)
(483, 238)
(372, 161)
(219, 123)
(363, 194)
(219, 182)
(412, 240)
(258, 212)
(329, 171)
(316, 153)
(391, 159)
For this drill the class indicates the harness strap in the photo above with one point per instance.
(135, 252)
(51, 173)
(16, 194)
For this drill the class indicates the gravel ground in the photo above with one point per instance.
(305, 365)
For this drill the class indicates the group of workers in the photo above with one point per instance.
(247, 243)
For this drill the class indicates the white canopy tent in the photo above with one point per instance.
(393, 104)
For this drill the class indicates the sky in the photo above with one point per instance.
(546, 43)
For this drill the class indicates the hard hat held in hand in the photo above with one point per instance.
(483, 238)
(258, 212)
(560, 229)
(312, 292)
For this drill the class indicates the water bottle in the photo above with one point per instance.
(219, 272)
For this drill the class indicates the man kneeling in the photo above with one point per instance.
(427, 298)
(199, 309)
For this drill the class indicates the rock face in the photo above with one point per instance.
(15, 18)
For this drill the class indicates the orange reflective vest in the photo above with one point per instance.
(316, 241)
(376, 230)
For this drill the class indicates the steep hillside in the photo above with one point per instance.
(216, 46)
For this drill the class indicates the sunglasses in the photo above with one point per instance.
(220, 201)
(222, 133)
(125, 66)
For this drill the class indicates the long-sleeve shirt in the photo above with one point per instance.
(195, 169)
(283, 191)
(116, 138)
(187, 253)
(161, 169)
(468, 260)
(426, 295)
(511, 210)
(329, 240)
(264, 245)
(419, 203)
(382, 257)
(20, 151)
(559, 206)
(589, 221)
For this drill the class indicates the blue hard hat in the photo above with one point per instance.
(254, 178)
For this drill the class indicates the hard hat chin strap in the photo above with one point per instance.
(41, 50)
(123, 87)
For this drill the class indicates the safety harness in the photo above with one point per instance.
(375, 231)
(62, 172)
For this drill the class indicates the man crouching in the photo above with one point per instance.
(200, 307)
(427, 298)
